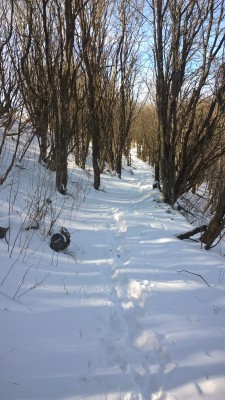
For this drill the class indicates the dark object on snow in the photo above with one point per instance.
(60, 241)
(3, 232)
(188, 234)
(36, 226)
(63, 192)
(156, 185)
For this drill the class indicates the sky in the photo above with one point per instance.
(127, 312)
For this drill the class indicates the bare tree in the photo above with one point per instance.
(126, 65)
(93, 28)
(188, 43)
(48, 74)
(11, 108)
(144, 133)
(32, 71)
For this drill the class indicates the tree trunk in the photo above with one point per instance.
(216, 225)
(157, 176)
(118, 163)
(43, 146)
(193, 232)
(95, 162)
(61, 164)
(129, 160)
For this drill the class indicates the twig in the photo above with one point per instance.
(193, 273)
(22, 282)
(64, 286)
(16, 301)
(69, 253)
(38, 284)
(5, 354)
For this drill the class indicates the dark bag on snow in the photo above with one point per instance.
(60, 241)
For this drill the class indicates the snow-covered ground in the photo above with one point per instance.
(121, 316)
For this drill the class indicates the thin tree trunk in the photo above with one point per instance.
(216, 225)
(95, 162)
(61, 164)
(118, 163)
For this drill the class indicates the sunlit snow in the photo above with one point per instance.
(118, 316)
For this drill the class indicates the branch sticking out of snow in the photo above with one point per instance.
(193, 273)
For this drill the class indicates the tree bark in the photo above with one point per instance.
(193, 232)
(216, 225)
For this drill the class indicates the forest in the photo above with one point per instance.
(116, 74)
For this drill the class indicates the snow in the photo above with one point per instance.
(120, 315)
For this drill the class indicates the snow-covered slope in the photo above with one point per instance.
(121, 315)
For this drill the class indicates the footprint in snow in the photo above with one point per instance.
(161, 395)
(121, 224)
(117, 326)
(111, 354)
(139, 290)
(147, 342)
(131, 396)
(194, 319)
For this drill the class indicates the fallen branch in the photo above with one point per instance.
(193, 273)
(193, 232)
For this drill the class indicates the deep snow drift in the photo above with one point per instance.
(120, 316)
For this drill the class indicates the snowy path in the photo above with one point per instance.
(123, 323)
